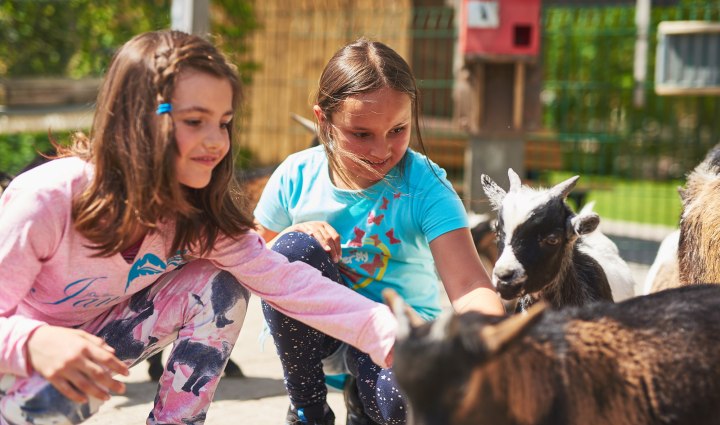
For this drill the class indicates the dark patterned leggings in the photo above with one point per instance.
(302, 348)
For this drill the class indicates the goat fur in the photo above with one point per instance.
(664, 272)
(648, 360)
(698, 259)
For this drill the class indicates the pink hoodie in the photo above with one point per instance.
(48, 275)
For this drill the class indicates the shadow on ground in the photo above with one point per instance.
(238, 389)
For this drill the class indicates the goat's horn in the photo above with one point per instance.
(407, 317)
(563, 188)
(515, 182)
(495, 337)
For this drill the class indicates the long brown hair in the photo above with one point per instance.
(362, 66)
(133, 150)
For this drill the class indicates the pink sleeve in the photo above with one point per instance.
(29, 231)
(301, 292)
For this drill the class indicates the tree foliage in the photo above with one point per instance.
(77, 38)
(71, 38)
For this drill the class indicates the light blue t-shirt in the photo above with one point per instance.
(385, 229)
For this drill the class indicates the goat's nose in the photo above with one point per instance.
(504, 274)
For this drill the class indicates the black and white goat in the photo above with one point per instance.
(603, 363)
(547, 251)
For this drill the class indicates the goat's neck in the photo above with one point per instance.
(570, 286)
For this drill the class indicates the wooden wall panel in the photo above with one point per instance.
(295, 41)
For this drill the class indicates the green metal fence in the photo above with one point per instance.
(633, 158)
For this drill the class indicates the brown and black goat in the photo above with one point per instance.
(549, 252)
(698, 257)
(650, 360)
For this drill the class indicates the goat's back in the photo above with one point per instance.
(605, 252)
(648, 360)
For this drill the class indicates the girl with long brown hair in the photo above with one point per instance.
(135, 238)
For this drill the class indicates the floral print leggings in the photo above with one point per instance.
(198, 307)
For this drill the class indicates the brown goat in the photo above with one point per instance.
(698, 256)
(648, 360)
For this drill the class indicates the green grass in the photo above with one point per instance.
(639, 201)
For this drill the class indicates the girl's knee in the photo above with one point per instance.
(298, 246)
(227, 296)
(213, 291)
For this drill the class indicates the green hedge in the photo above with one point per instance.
(19, 149)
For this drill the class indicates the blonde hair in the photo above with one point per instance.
(135, 187)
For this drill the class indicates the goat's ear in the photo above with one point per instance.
(497, 337)
(407, 318)
(582, 224)
(683, 193)
(563, 188)
(494, 192)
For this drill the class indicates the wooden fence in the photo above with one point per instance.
(295, 41)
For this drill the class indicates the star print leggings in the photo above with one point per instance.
(301, 348)
(198, 307)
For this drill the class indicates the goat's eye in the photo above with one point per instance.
(552, 240)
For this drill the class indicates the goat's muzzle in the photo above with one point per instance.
(510, 291)
(510, 283)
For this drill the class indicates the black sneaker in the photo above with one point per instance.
(155, 366)
(355, 411)
(232, 370)
(310, 415)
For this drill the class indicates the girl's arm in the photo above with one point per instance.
(465, 279)
(32, 221)
(265, 233)
(303, 293)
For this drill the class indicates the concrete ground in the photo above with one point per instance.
(259, 399)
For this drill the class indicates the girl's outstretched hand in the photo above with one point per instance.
(324, 233)
(76, 363)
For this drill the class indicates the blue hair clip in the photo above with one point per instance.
(163, 108)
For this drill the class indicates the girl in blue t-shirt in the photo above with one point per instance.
(370, 213)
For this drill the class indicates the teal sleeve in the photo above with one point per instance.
(441, 209)
(272, 208)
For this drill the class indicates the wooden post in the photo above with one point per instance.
(191, 16)
(642, 22)
(518, 95)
